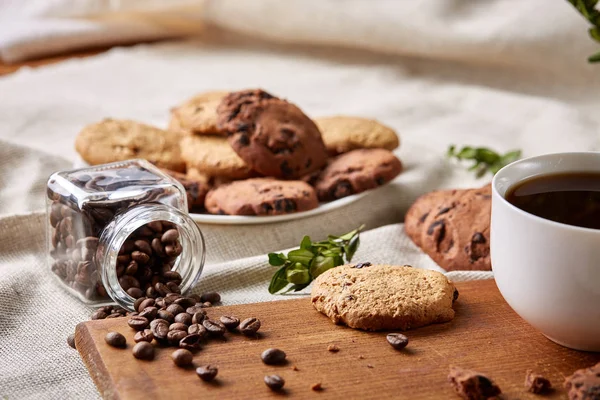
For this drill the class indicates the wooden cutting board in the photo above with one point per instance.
(486, 335)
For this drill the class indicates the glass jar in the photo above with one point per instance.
(120, 231)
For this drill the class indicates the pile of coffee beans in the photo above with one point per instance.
(76, 225)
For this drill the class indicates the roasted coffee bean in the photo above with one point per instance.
(175, 309)
(157, 321)
(191, 342)
(156, 226)
(250, 326)
(124, 259)
(184, 318)
(182, 358)
(174, 337)
(140, 257)
(132, 313)
(230, 321)
(170, 236)
(114, 315)
(397, 340)
(195, 297)
(214, 328)
(161, 289)
(198, 317)
(135, 292)
(115, 339)
(167, 316)
(194, 309)
(197, 329)
(211, 297)
(128, 281)
(143, 246)
(174, 276)
(173, 287)
(151, 292)
(137, 302)
(273, 356)
(131, 269)
(160, 330)
(160, 302)
(185, 302)
(207, 372)
(143, 351)
(206, 304)
(143, 336)
(173, 250)
(71, 340)
(178, 326)
(149, 312)
(138, 323)
(274, 382)
(144, 231)
(144, 304)
(99, 314)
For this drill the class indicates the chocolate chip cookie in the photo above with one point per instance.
(212, 155)
(357, 171)
(584, 384)
(198, 115)
(381, 297)
(453, 227)
(261, 196)
(272, 136)
(195, 189)
(113, 140)
(342, 134)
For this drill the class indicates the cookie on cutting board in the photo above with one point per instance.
(113, 140)
(342, 134)
(381, 297)
(261, 196)
(453, 227)
(198, 115)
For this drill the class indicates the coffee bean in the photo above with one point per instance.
(99, 314)
(156, 226)
(151, 292)
(138, 323)
(230, 321)
(143, 246)
(274, 382)
(114, 315)
(157, 247)
(195, 297)
(115, 339)
(191, 342)
(194, 309)
(160, 302)
(143, 336)
(182, 358)
(175, 309)
(178, 326)
(207, 372)
(139, 257)
(160, 329)
(184, 318)
(273, 356)
(173, 287)
(206, 304)
(173, 250)
(214, 328)
(143, 351)
(174, 337)
(198, 317)
(197, 329)
(71, 340)
(211, 297)
(124, 259)
(167, 316)
(149, 312)
(170, 236)
(185, 302)
(397, 340)
(137, 302)
(250, 326)
(157, 321)
(132, 269)
(174, 276)
(135, 292)
(144, 304)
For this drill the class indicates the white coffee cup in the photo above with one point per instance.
(548, 272)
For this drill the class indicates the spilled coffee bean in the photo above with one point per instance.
(115, 339)
(273, 356)
(138, 323)
(230, 322)
(182, 358)
(191, 342)
(274, 382)
(397, 340)
(207, 372)
(250, 326)
(214, 328)
(143, 351)
(143, 336)
(210, 297)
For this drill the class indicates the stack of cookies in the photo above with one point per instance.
(251, 153)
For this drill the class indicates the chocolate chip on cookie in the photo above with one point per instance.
(453, 227)
(261, 196)
(342, 134)
(113, 140)
(198, 115)
(357, 171)
(272, 136)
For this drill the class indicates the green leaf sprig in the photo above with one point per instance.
(486, 160)
(587, 8)
(302, 265)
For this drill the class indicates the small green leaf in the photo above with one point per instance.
(276, 259)
(306, 244)
(594, 58)
(352, 247)
(450, 151)
(511, 156)
(321, 264)
(466, 153)
(298, 274)
(301, 256)
(278, 281)
(486, 156)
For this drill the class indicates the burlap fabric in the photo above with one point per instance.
(431, 104)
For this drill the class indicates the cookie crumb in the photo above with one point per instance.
(294, 368)
(536, 383)
(369, 366)
(471, 384)
(361, 357)
(317, 387)
(333, 348)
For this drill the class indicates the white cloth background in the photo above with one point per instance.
(500, 73)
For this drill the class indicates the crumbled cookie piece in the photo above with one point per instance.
(472, 385)
(536, 383)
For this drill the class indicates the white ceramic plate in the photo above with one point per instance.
(254, 220)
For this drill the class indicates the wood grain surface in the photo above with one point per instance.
(486, 335)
